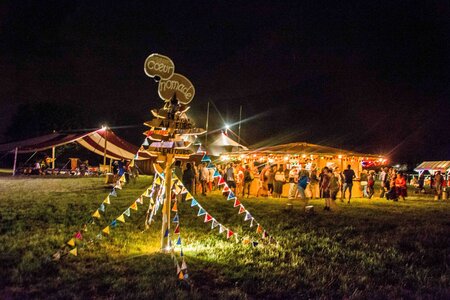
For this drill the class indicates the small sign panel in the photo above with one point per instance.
(179, 85)
(157, 65)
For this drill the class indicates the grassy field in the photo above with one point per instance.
(368, 249)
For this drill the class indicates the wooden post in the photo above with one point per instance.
(15, 160)
(106, 143)
(53, 158)
(165, 245)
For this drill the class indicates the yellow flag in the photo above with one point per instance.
(123, 178)
(106, 230)
(189, 196)
(134, 206)
(132, 163)
(158, 181)
(107, 200)
(181, 275)
(96, 214)
(71, 242)
(121, 219)
(74, 252)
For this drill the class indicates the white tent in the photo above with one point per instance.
(223, 143)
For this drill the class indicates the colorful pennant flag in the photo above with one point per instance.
(241, 209)
(174, 208)
(178, 241)
(175, 219)
(78, 235)
(106, 230)
(145, 143)
(183, 265)
(74, 252)
(113, 193)
(121, 218)
(102, 207)
(214, 224)
(113, 223)
(254, 243)
(106, 201)
(167, 233)
(251, 222)
(134, 206)
(206, 158)
(181, 275)
(127, 212)
(201, 212)
(221, 181)
(194, 203)
(177, 230)
(248, 216)
(231, 196)
(96, 214)
(140, 200)
(226, 189)
(71, 242)
(259, 229)
(265, 234)
(210, 166)
(158, 181)
(189, 196)
(221, 228)
(207, 218)
(236, 203)
(229, 233)
(216, 173)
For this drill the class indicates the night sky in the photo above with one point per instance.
(371, 76)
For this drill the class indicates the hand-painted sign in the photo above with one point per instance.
(157, 65)
(179, 85)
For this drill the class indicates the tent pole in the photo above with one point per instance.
(240, 119)
(53, 157)
(106, 143)
(207, 123)
(15, 161)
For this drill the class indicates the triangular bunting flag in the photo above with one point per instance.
(206, 158)
(145, 143)
(177, 189)
(241, 209)
(248, 216)
(136, 156)
(174, 207)
(113, 223)
(140, 200)
(259, 229)
(184, 190)
(231, 196)
(167, 233)
(221, 228)
(181, 275)
(265, 234)
(226, 189)
(183, 265)
(254, 243)
(71, 242)
(96, 214)
(102, 207)
(214, 224)
(134, 206)
(207, 218)
(178, 268)
(193, 203)
(121, 218)
(175, 219)
(78, 235)
(127, 212)
(106, 230)
(74, 252)
(179, 241)
(177, 230)
(201, 212)
(158, 181)
(251, 222)
(113, 193)
(106, 201)
(210, 166)
(236, 203)
(216, 173)
(122, 178)
(181, 253)
(221, 181)
(229, 233)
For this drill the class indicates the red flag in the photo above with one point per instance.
(229, 233)
(236, 203)
(221, 181)
(225, 189)
(207, 218)
(241, 209)
(177, 230)
(78, 235)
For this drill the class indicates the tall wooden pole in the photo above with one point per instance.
(53, 158)
(165, 244)
(240, 119)
(15, 160)
(207, 123)
(106, 143)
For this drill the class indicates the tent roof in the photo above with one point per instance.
(224, 141)
(116, 148)
(443, 166)
(305, 148)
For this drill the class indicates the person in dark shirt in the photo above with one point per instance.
(188, 179)
(349, 174)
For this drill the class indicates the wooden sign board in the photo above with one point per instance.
(157, 65)
(179, 85)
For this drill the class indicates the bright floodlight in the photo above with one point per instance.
(227, 126)
(104, 127)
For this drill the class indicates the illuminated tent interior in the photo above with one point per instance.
(434, 166)
(224, 144)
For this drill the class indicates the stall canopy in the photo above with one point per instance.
(433, 166)
(95, 141)
(223, 143)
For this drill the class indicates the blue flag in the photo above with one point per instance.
(231, 195)
(194, 203)
(113, 193)
(167, 233)
(175, 219)
(206, 158)
(216, 173)
(114, 223)
(179, 241)
(201, 212)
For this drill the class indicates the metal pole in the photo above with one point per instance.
(15, 160)
(165, 246)
(240, 119)
(207, 123)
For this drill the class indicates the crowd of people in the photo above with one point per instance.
(328, 183)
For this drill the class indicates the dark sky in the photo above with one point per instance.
(371, 76)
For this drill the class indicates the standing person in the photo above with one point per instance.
(334, 185)
(363, 183)
(270, 181)
(313, 181)
(349, 175)
(370, 183)
(211, 179)
(384, 178)
(231, 181)
(204, 178)
(177, 169)
(239, 179)
(438, 185)
(400, 186)
(302, 183)
(340, 178)
(421, 183)
(325, 187)
(188, 179)
(248, 178)
(279, 180)
(322, 174)
(263, 182)
(293, 179)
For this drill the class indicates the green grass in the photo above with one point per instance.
(375, 249)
